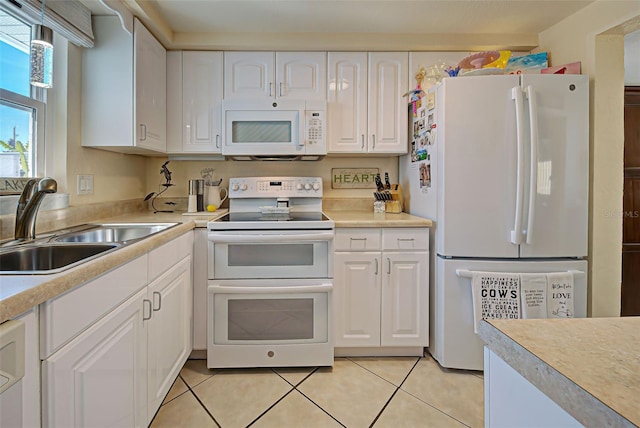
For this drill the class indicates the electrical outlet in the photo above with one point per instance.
(85, 184)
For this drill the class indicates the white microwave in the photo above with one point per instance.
(274, 129)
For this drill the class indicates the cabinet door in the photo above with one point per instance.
(249, 75)
(387, 119)
(301, 75)
(202, 102)
(347, 102)
(405, 299)
(99, 379)
(169, 331)
(150, 71)
(357, 299)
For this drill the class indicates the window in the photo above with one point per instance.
(21, 115)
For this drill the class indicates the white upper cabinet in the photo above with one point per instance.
(124, 90)
(194, 113)
(269, 75)
(347, 102)
(367, 112)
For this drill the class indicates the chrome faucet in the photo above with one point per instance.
(28, 204)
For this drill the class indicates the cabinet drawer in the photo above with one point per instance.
(357, 239)
(67, 315)
(405, 239)
(165, 256)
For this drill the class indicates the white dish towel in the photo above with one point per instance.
(560, 295)
(495, 295)
(533, 295)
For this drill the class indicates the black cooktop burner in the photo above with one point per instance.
(297, 216)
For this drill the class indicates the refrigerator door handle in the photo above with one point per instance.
(533, 178)
(516, 233)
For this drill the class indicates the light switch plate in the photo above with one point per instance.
(85, 184)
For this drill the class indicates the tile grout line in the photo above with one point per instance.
(199, 401)
(394, 393)
(318, 406)
(271, 406)
(295, 387)
(422, 401)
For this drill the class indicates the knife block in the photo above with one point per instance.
(395, 205)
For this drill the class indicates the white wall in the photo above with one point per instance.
(580, 38)
(632, 59)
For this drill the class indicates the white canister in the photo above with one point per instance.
(214, 195)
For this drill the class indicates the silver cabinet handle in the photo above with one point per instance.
(144, 305)
(388, 266)
(351, 240)
(270, 89)
(157, 293)
(362, 146)
(143, 132)
(217, 141)
(376, 266)
(373, 140)
(281, 86)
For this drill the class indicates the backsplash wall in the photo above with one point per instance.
(183, 171)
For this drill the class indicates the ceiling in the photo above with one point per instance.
(217, 23)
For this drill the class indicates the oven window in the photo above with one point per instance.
(270, 319)
(257, 131)
(270, 255)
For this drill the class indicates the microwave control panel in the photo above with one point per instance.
(314, 120)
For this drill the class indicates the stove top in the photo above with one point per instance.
(259, 217)
(259, 221)
(271, 203)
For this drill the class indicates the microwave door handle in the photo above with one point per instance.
(322, 288)
(232, 239)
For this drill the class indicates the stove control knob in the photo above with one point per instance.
(299, 186)
(235, 187)
(316, 186)
(307, 186)
(244, 186)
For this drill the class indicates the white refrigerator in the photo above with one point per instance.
(504, 176)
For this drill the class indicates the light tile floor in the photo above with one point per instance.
(356, 392)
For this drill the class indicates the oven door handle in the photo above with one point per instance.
(322, 288)
(281, 238)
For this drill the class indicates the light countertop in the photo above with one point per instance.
(19, 293)
(589, 366)
(371, 219)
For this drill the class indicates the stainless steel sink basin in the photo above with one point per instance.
(120, 233)
(49, 257)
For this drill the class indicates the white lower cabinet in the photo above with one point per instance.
(118, 369)
(169, 331)
(99, 379)
(381, 290)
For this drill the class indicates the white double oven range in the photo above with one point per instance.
(270, 276)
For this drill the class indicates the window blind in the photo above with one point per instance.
(69, 18)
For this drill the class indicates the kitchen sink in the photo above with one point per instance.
(117, 233)
(47, 258)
